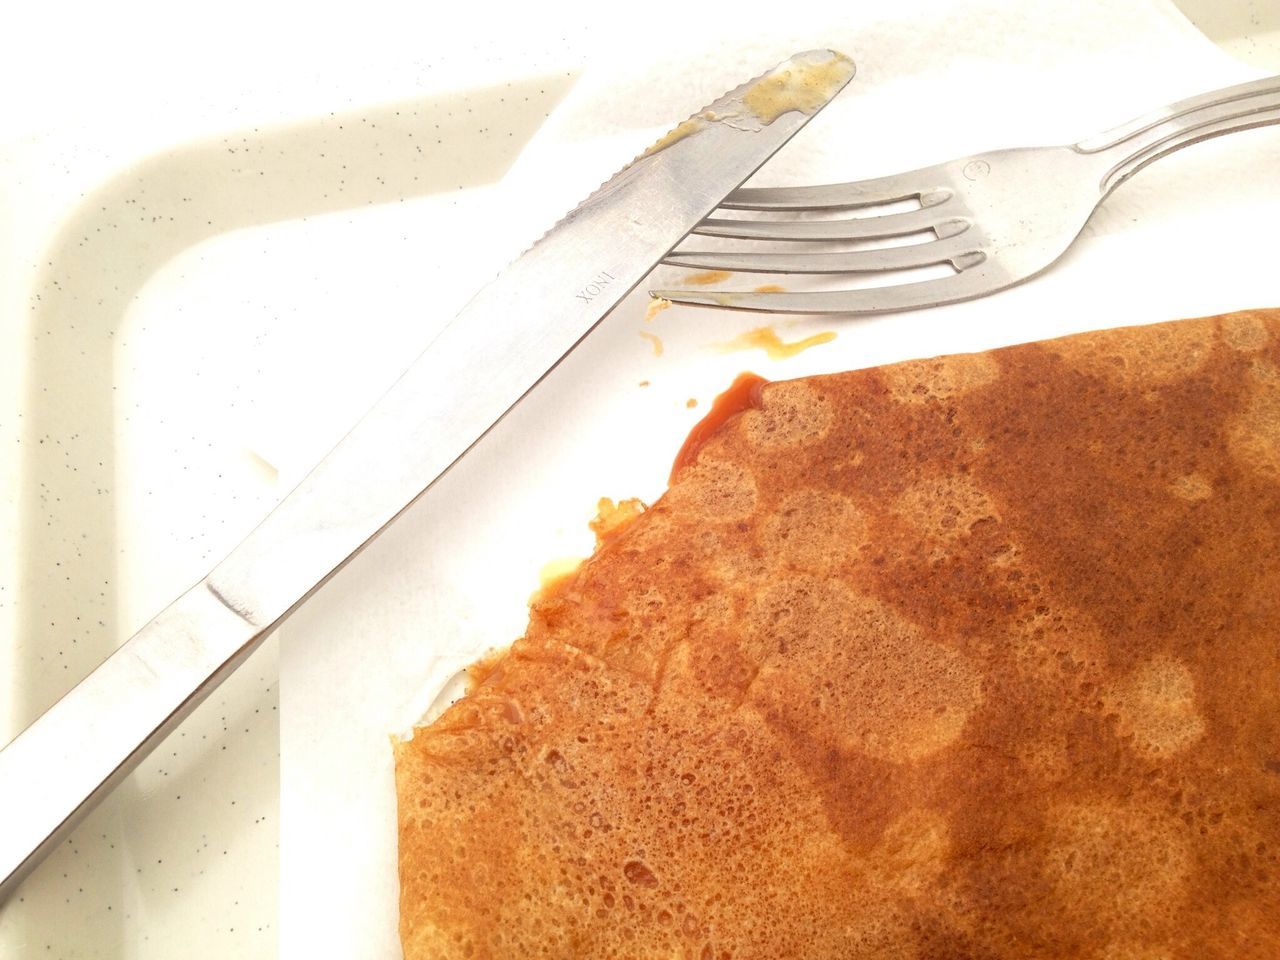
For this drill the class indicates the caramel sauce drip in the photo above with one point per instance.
(743, 394)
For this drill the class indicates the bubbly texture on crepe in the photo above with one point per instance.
(968, 657)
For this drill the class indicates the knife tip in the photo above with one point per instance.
(825, 55)
(805, 82)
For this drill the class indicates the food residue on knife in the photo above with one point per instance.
(681, 130)
(767, 339)
(771, 288)
(655, 340)
(707, 277)
(797, 86)
(793, 85)
(656, 306)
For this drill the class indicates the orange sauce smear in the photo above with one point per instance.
(742, 395)
(707, 277)
(654, 340)
(767, 339)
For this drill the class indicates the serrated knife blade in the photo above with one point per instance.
(56, 769)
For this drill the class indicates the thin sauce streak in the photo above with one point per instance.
(767, 339)
(655, 340)
(742, 395)
(707, 277)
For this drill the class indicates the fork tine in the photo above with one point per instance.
(967, 285)
(925, 185)
(858, 228)
(960, 251)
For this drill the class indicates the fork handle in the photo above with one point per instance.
(1133, 145)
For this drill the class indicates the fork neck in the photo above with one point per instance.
(1128, 148)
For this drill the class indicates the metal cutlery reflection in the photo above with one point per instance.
(989, 221)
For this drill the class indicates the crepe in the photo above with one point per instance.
(976, 656)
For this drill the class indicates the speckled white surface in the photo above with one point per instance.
(205, 227)
(219, 237)
(1249, 30)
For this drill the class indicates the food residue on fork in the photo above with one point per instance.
(656, 306)
(743, 394)
(767, 339)
(707, 277)
(655, 340)
(770, 288)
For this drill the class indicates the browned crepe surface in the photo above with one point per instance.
(969, 657)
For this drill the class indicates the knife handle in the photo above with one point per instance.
(56, 770)
(1137, 143)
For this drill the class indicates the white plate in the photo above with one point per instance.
(449, 579)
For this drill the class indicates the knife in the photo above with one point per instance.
(54, 771)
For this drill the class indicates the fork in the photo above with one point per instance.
(994, 219)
